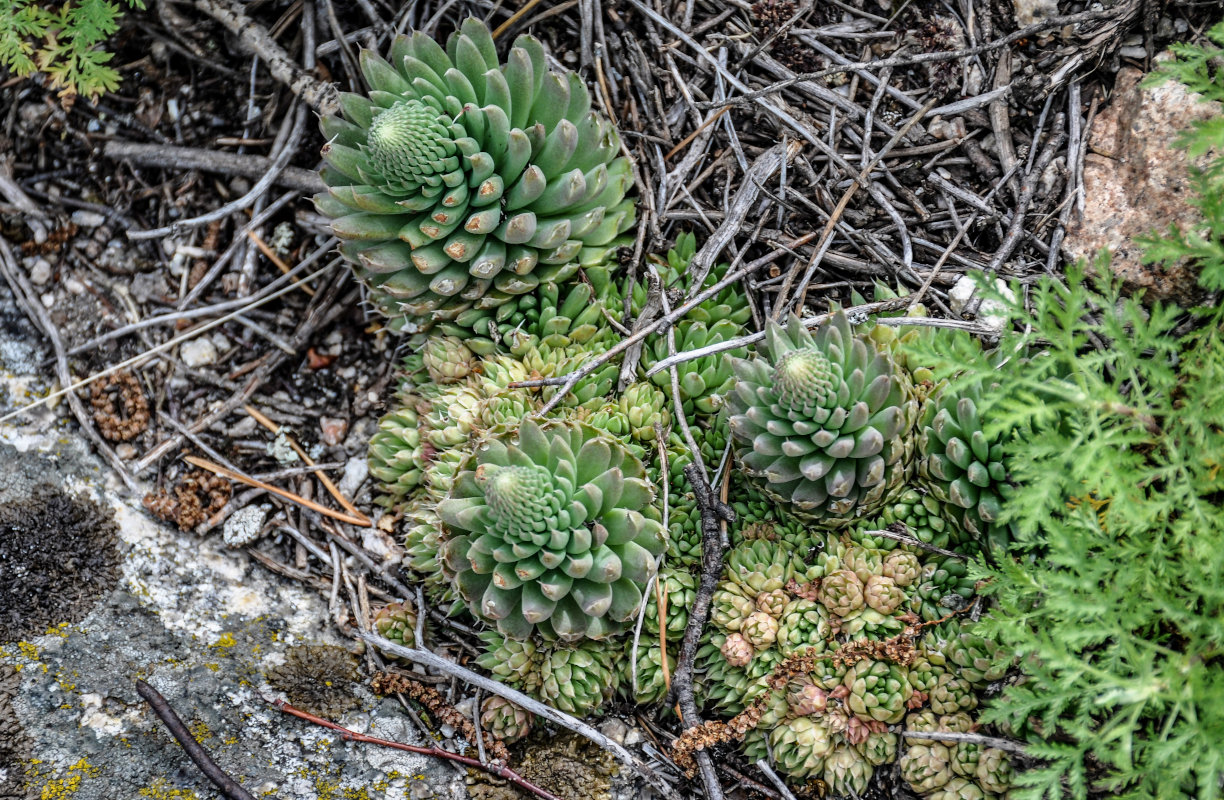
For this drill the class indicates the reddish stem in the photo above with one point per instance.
(499, 771)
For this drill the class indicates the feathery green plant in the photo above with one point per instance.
(62, 41)
(1112, 595)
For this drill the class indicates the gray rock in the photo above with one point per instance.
(205, 626)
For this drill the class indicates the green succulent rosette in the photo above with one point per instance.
(924, 517)
(951, 694)
(461, 182)
(804, 626)
(879, 748)
(925, 767)
(555, 315)
(824, 419)
(902, 566)
(879, 690)
(549, 533)
(396, 456)
(729, 687)
(965, 758)
(994, 770)
(731, 605)
(976, 658)
(644, 406)
(760, 630)
(680, 588)
(574, 677)
(761, 566)
(396, 622)
(882, 594)
(651, 686)
(704, 382)
(943, 587)
(841, 592)
(961, 465)
(512, 662)
(924, 672)
(447, 359)
(846, 772)
(958, 789)
(773, 602)
(504, 719)
(801, 745)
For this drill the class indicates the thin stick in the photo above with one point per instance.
(434, 661)
(569, 380)
(265, 183)
(437, 752)
(26, 297)
(765, 769)
(713, 514)
(322, 97)
(277, 260)
(225, 472)
(1050, 23)
(195, 751)
(685, 141)
(515, 17)
(185, 158)
(326, 481)
(989, 741)
(141, 357)
(861, 180)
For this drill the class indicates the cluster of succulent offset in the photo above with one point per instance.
(483, 205)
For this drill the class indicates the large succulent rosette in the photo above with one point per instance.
(460, 182)
(824, 418)
(546, 533)
(962, 465)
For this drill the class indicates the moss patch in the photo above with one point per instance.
(58, 556)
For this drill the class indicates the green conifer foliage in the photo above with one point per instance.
(1111, 597)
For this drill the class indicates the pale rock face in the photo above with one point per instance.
(1136, 183)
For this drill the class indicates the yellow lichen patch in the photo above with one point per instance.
(199, 730)
(160, 790)
(224, 642)
(64, 786)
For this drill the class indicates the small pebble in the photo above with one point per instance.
(87, 219)
(40, 273)
(125, 451)
(334, 430)
(243, 526)
(946, 129)
(355, 472)
(990, 312)
(1032, 11)
(198, 353)
(615, 730)
(280, 449)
